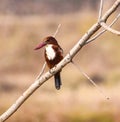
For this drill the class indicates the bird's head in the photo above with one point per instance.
(46, 41)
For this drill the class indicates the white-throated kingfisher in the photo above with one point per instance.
(53, 55)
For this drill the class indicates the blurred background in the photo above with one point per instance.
(23, 24)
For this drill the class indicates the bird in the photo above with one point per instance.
(53, 55)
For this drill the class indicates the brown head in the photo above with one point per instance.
(47, 40)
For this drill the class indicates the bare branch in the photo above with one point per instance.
(67, 59)
(110, 11)
(104, 25)
(57, 30)
(100, 10)
(100, 33)
(42, 71)
(97, 87)
(23, 97)
(114, 21)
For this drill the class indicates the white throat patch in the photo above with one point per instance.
(50, 52)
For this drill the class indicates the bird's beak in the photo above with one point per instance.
(40, 45)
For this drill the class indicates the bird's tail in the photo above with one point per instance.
(57, 80)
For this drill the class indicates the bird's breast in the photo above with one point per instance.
(50, 52)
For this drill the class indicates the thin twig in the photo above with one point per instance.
(100, 10)
(67, 59)
(57, 30)
(42, 71)
(97, 87)
(108, 28)
(115, 20)
(100, 33)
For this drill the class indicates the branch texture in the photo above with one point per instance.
(67, 59)
(108, 28)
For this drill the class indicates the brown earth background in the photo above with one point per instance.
(23, 24)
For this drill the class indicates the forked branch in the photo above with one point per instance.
(67, 59)
(103, 31)
(108, 28)
(103, 21)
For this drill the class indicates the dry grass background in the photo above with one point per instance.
(77, 101)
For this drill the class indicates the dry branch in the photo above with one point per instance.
(97, 87)
(57, 30)
(101, 9)
(108, 28)
(42, 71)
(101, 32)
(68, 58)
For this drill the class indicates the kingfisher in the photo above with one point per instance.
(53, 55)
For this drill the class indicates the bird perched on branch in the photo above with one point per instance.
(53, 55)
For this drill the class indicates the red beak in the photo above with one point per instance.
(40, 46)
